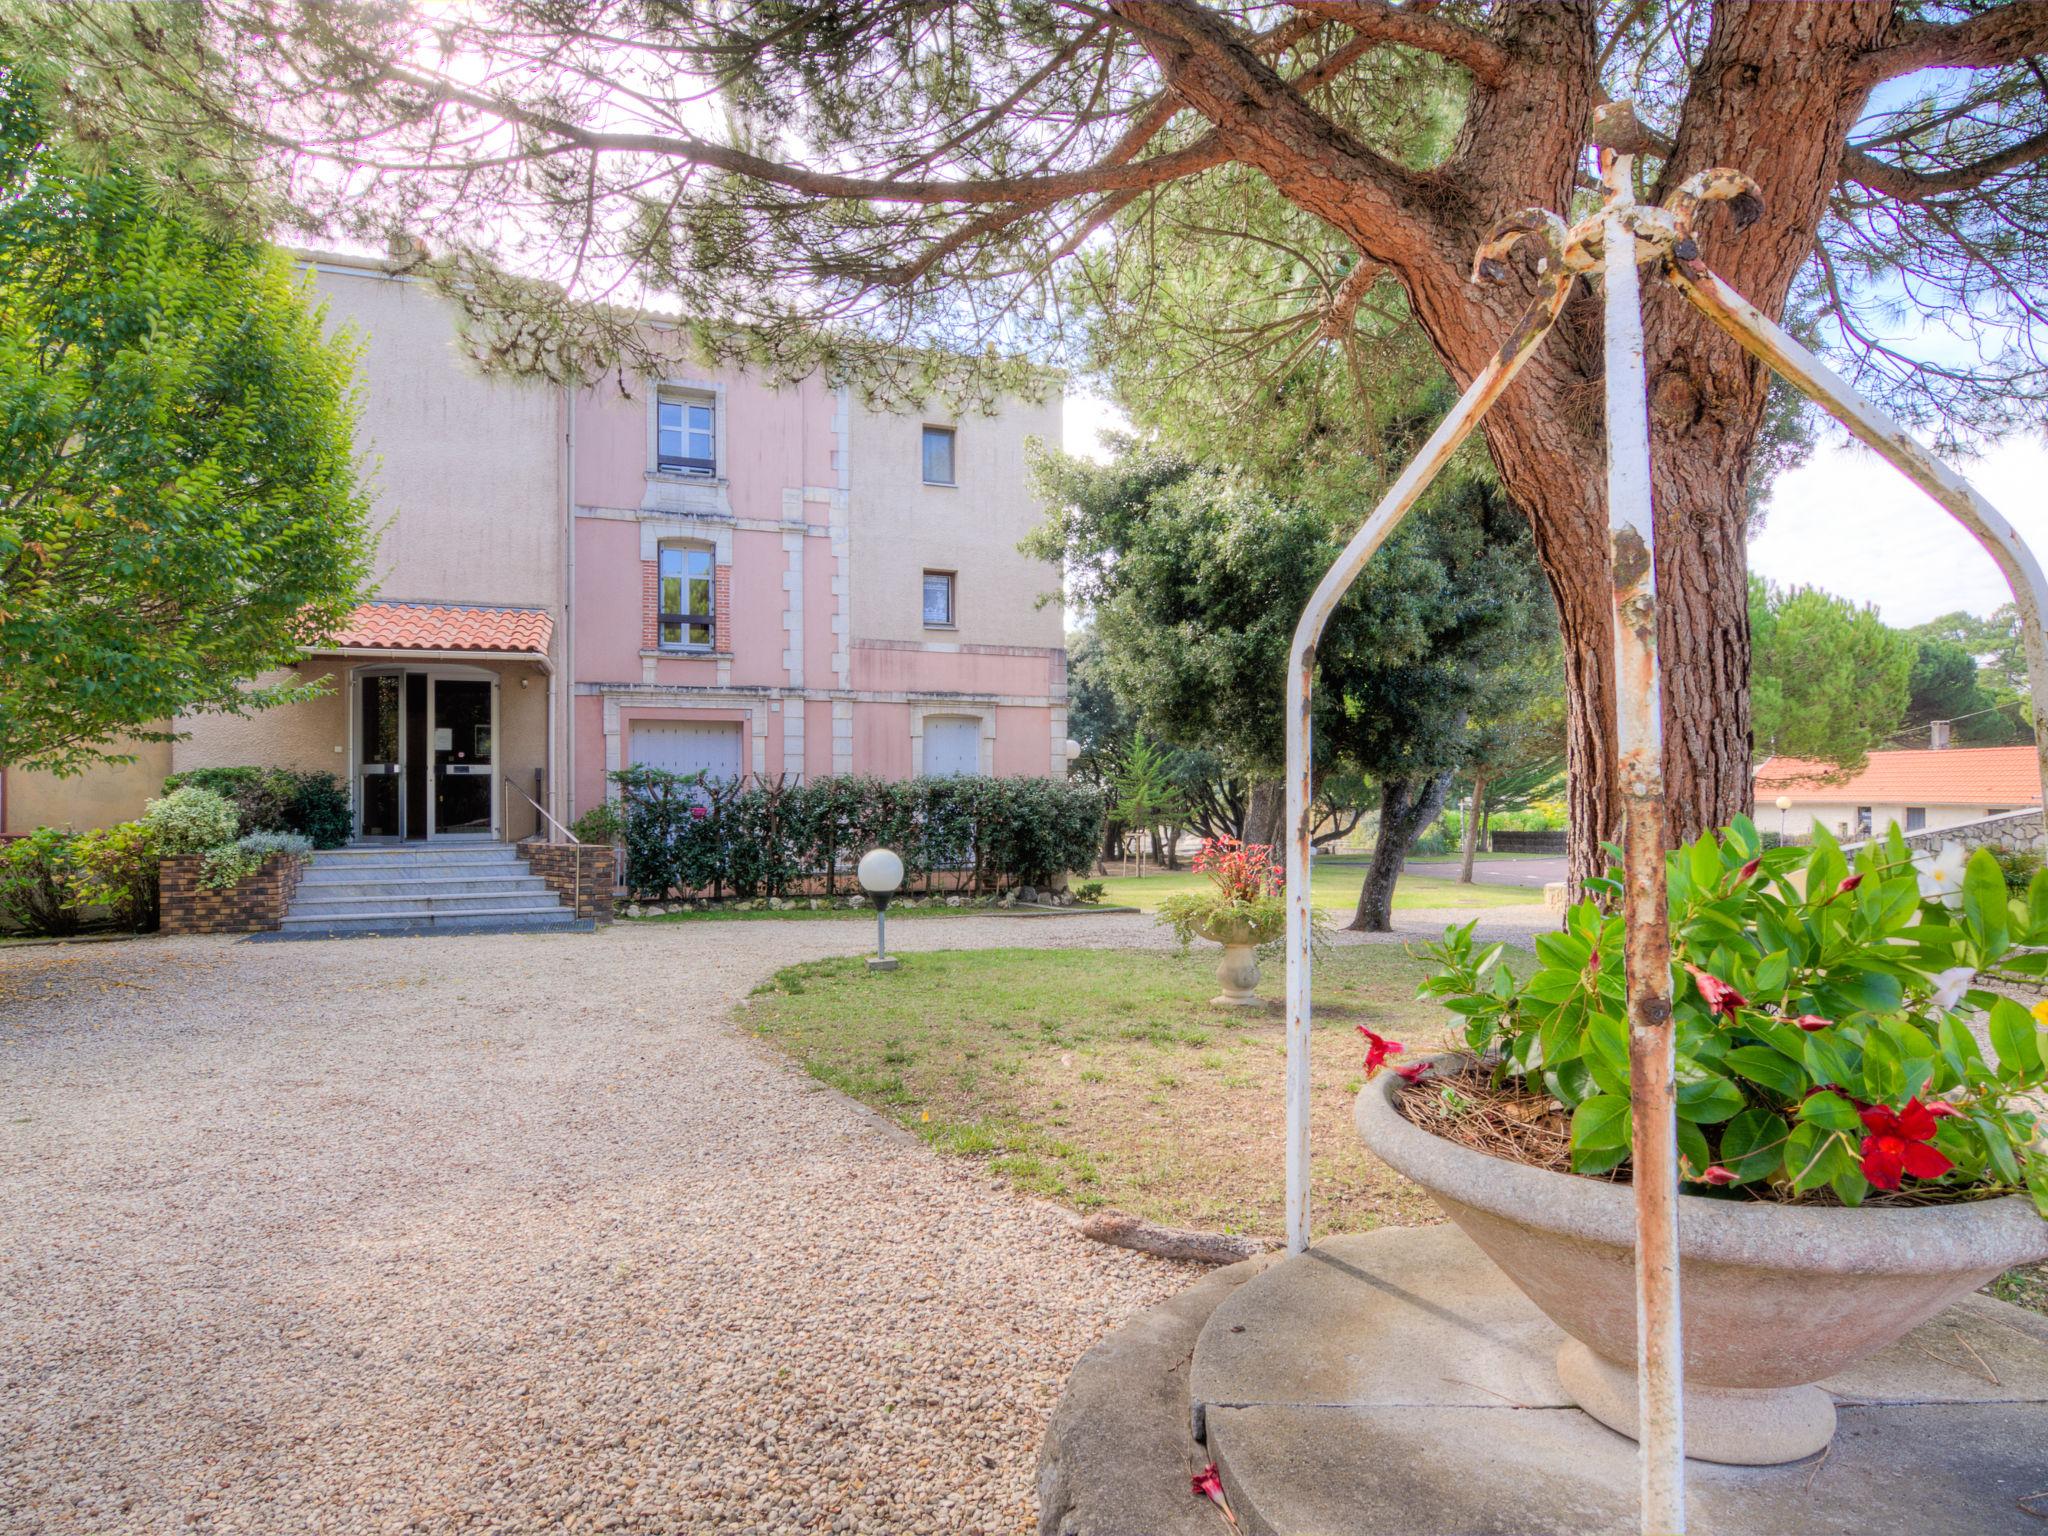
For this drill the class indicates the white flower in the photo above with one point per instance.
(1941, 874)
(1951, 984)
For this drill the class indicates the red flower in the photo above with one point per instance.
(1209, 1484)
(1941, 1109)
(1412, 1074)
(1377, 1050)
(1849, 885)
(1719, 997)
(1748, 869)
(1811, 1022)
(1717, 1176)
(698, 813)
(1898, 1144)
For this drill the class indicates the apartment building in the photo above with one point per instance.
(701, 572)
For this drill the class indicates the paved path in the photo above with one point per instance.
(507, 1233)
(1534, 872)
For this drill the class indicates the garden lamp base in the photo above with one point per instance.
(877, 963)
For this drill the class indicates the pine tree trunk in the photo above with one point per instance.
(1472, 814)
(1406, 807)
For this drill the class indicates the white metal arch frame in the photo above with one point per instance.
(1612, 242)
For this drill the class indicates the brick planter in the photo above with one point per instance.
(588, 889)
(254, 905)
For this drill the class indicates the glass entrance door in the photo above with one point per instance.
(381, 755)
(463, 752)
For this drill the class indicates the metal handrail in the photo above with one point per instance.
(541, 811)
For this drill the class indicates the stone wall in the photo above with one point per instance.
(253, 905)
(580, 873)
(2020, 831)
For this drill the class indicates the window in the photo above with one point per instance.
(952, 746)
(1916, 818)
(686, 588)
(938, 599)
(1863, 820)
(938, 456)
(685, 443)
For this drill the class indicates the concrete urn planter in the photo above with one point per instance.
(1774, 1298)
(1238, 972)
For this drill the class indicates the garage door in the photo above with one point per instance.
(709, 747)
(952, 745)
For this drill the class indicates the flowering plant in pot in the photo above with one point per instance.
(1244, 909)
(1860, 1159)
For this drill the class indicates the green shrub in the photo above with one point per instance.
(39, 882)
(191, 820)
(1089, 892)
(235, 862)
(117, 869)
(600, 824)
(2017, 865)
(684, 833)
(314, 805)
(319, 810)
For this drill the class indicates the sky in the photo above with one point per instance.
(1845, 521)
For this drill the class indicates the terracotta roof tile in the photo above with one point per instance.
(1990, 776)
(445, 627)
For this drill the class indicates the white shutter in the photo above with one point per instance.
(708, 747)
(952, 745)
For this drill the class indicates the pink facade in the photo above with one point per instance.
(824, 652)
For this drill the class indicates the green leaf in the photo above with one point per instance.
(1608, 1037)
(2015, 1040)
(2037, 1180)
(1771, 973)
(2037, 902)
(1594, 1160)
(1764, 1065)
(1753, 1145)
(1884, 1072)
(1602, 1122)
(1851, 1186)
(1709, 1101)
(1984, 899)
(1692, 1146)
(1831, 1112)
(1815, 1157)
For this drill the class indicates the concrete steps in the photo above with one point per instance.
(432, 888)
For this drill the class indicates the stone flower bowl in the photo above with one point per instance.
(1238, 971)
(1773, 1297)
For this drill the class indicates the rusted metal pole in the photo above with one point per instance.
(1639, 715)
(1880, 430)
(1520, 346)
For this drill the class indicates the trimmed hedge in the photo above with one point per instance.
(684, 832)
(313, 805)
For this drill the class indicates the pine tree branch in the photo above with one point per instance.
(1377, 22)
(2005, 34)
(1915, 186)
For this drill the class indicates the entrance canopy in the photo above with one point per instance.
(471, 631)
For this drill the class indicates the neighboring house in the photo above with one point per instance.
(1921, 790)
(711, 573)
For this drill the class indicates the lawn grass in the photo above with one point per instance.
(1104, 1078)
(1334, 889)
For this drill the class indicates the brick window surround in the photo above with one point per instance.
(721, 610)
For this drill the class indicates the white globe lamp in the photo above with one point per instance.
(1784, 805)
(880, 873)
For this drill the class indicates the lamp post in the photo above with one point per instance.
(880, 874)
(1784, 805)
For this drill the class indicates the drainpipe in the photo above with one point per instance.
(561, 792)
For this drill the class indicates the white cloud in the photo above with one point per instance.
(1849, 523)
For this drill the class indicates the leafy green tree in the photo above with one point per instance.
(1973, 671)
(179, 509)
(1196, 574)
(1829, 680)
(1148, 794)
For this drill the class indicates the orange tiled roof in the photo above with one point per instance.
(1991, 776)
(445, 627)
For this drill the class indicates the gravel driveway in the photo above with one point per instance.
(506, 1233)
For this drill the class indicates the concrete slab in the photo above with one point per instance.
(1396, 1384)
(1962, 1469)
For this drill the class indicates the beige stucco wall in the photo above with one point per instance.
(97, 798)
(902, 527)
(465, 471)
